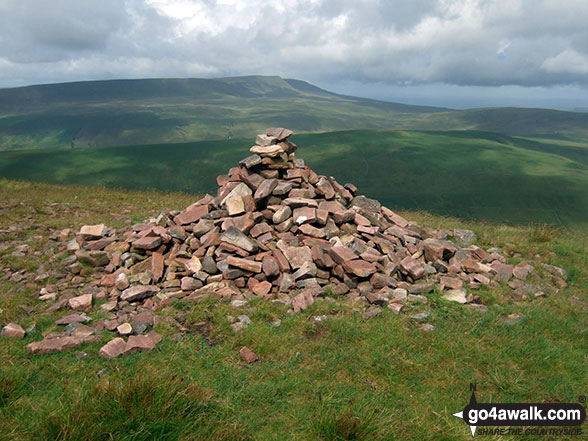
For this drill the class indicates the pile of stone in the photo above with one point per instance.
(277, 230)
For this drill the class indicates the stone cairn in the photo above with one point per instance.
(279, 231)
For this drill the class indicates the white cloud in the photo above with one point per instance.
(568, 61)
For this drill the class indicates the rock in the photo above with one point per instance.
(395, 307)
(124, 329)
(412, 268)
(109, 306)
(238, 327)
(372, 312)
(138, 292)
(303, 215)
(342, 254)
(194, 265)
(556, 271)
(58, 344)
(420, 288)
(282, 189)
(359, 267)
(191, 215)
(416, 298)
(451, 283)
(147, 242)
(302, 301)
(234, 237)
(427, 327)
(94, 258)
(522, 270)
(307, 270)
(395, 218)
(270, 266)
(121, 282)
(190, 284)
(477, 307)
(456, 295)
(265, 140)
(73, 318)
(251, 161)
(139, 343)
(512, 319)
(265, 189)
(297, 256)
(270, 151)
(92, 232)
(465, 237)
(376, 298)
(420, 316)
(247, 355)
(247, 265)
(279, 133)
(282, 214)
(13, 330)
(262, 288)
(366, 203)
(235, 205)
(113, 348)
(81, 303)
(503, 271)
(399, 294)
(438, 250)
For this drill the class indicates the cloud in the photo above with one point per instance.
(568, 61)
(395, 42)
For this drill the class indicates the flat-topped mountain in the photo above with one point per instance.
(148, 111)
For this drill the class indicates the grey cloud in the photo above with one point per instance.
(396, 42)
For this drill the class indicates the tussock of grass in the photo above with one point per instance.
(542, 233)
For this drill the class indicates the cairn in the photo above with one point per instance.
(277, 230)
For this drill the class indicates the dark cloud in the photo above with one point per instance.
(396, 42)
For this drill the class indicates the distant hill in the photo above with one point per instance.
(469, 174)
(150, 111)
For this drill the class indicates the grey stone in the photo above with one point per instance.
(366, 203)
(420, 316)
(250, 161)
(464, 237)
(235, 237)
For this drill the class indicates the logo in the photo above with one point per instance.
(516, 415)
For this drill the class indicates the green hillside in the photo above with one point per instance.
(472, 175)
(134, 112)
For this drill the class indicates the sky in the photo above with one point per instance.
(454, 53)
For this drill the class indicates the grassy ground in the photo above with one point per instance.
(341, 379)
(472, 175)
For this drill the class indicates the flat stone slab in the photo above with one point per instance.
(73, 318)
(245, 264)
(113, 348)
(138, 292)
(58, 344)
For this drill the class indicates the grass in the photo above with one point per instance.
(341, 379)
(472, 175)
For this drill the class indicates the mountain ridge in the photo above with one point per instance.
(164, 110)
